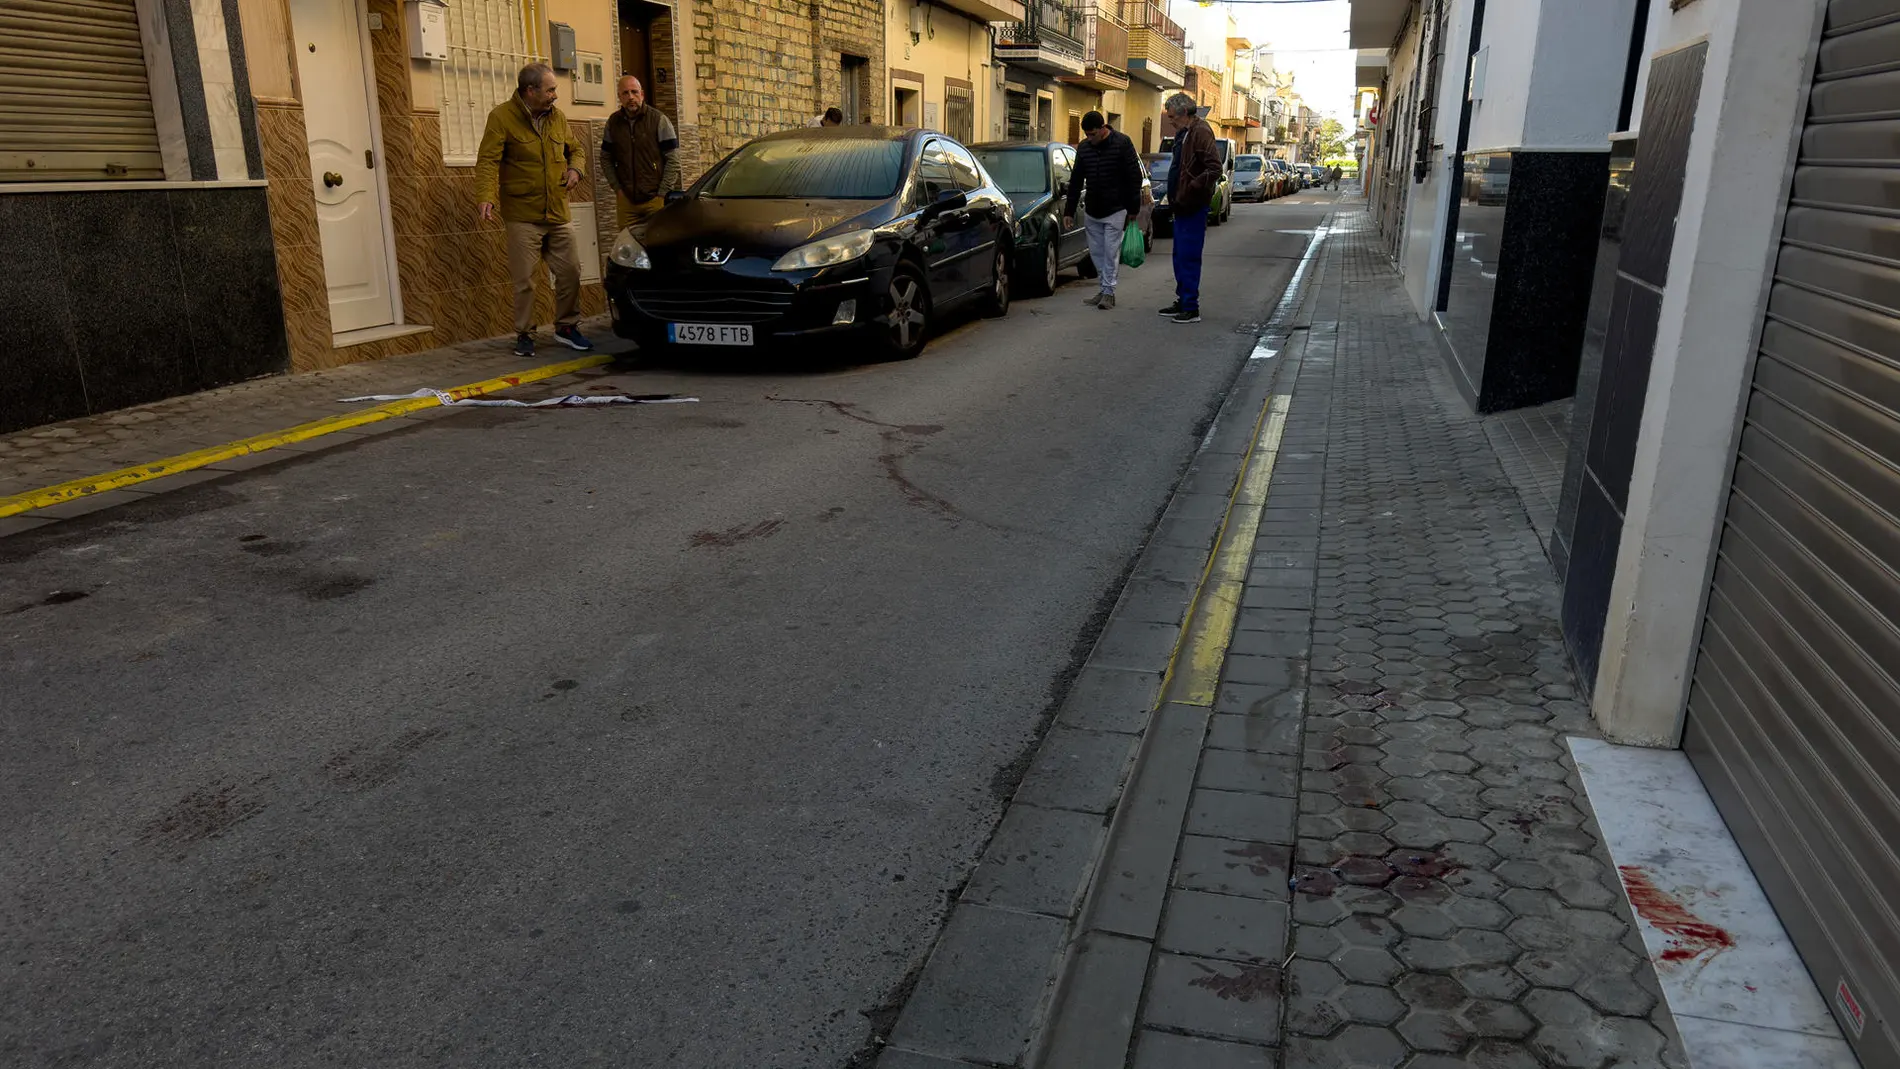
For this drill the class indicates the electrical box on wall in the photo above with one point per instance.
(590, 78)
(428, 29)
(561, 45)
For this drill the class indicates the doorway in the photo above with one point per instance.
(352, 207)
(1147, 136)
(853, 76)
(639, 22)
(1045, 116)
(907, 107)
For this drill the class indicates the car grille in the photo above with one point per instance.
(714, 306)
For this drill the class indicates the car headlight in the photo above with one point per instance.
(842, 249)
(628, 252)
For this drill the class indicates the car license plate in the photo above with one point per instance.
(708, 334)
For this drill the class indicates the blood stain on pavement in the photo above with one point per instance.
(1690, 937)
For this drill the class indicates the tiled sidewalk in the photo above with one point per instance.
(1447, 899)
(77, 448)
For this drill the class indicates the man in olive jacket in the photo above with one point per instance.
(527, 163)
(1191, 183)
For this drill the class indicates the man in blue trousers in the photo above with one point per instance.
(1191, 184)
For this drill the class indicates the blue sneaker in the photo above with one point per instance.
(572, 338)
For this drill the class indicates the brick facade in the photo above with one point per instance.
(759, 66)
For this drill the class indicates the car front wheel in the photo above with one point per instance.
(906, 323)
(996, 301)
(1045, 277)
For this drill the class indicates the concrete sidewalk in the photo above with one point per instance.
(1373, 848)
(84, 447)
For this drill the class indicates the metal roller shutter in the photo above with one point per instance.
(1794, 707)
(74, 102)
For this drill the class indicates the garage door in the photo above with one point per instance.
(74, 103)
(1794, 709)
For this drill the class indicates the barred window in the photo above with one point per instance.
(489, 42)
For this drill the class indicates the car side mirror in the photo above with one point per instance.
(674, 196)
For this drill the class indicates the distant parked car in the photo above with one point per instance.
(1253, 179)
(818, 234)
(1156, 166)
(1287, 177)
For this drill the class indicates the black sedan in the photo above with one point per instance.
(818, 234)
(1036, 177)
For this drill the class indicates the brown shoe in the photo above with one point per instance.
(1107, 302)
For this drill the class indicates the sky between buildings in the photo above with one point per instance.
(1309, 39)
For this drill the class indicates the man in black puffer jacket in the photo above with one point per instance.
(1105, 163)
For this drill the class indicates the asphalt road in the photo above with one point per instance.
(654, 736)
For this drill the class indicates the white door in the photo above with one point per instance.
(350, 219)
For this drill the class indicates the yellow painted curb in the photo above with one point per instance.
(257, 443)
(1193, 673)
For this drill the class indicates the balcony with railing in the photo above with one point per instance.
(1105, 40)
(1049, 40)
(1255, 112)
(1156, 45)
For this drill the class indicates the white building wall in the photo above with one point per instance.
(1431, 199)
(1582, 56)
(1508, 46)
(1735, 188)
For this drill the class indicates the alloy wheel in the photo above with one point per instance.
(907, 313)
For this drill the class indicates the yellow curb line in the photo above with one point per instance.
(198, 458)
(1193, 675)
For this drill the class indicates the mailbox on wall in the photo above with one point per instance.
(428, 29)
(561, 45)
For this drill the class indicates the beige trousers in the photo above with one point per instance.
(636, 215)
(528, 244)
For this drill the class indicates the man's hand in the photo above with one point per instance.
(486, 211)
(571, 179)
(1068, 222)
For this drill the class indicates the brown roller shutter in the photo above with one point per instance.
(74, 101)
(1794, 707)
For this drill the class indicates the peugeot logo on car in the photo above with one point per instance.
(711, 254)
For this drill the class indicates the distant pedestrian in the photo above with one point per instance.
(527, 163)
(831, 117)
(1191, 183)
(1107, 165)
(640, 156)
(1332, 177)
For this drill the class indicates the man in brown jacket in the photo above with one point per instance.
(640, 156)
(1191, 183)
(526, 164)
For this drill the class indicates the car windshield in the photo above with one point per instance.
(1158, 169)
(811, 168)
(1017, 170)
(1247, 163)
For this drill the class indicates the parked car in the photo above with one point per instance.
(1253, 179)
(1222, 209)
(1288, 181)
(869, 232)
(1156, 166)
(1035, 176)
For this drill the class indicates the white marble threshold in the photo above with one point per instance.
(1740, 995)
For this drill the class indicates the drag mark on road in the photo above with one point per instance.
(732, 536)
(57, 597)
(207, 813)
(853, 411)
(360, 768)
(1690, 937)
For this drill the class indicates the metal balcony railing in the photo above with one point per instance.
(1148, 15)
(1107, 37)
(1050, 24)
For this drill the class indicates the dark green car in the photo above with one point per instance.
(1035, 176)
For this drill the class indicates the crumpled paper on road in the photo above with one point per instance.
(565, 401)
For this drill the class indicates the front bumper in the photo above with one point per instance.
(778, 309)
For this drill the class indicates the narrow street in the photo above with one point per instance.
(648, 736)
